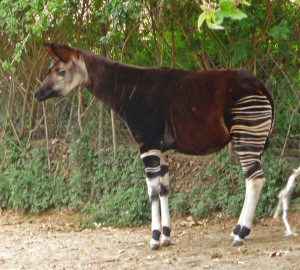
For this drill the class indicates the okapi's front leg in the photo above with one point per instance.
(164, 199)
(151, 160)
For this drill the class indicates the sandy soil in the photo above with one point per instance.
(52, 241)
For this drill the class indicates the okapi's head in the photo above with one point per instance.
(66, 73)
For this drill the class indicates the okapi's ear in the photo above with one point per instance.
(61, 52)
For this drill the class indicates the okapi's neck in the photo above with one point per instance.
(113, 83)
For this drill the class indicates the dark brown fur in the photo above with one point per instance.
(165, 108)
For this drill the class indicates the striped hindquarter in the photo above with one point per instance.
(252, 120)
(251, 124)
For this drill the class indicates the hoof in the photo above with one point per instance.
(154, 247)
(154, 244)
(165, 241)
(237, 243)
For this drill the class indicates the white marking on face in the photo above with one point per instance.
(68, 76)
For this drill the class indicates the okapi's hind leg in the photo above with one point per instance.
(164, 199)
(252, 120)
(253, 189)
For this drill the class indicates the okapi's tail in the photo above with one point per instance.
(258, 84)
(267, 143)
(268, 95)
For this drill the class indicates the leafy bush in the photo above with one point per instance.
(110, 189)
(113, 186)
(25, 181)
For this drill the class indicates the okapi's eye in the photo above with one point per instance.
(61, 73)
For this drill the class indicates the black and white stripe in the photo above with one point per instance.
(151, 160)
(252, 122)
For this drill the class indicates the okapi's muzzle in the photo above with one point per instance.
(42, 94)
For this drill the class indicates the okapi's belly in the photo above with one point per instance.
(199, 133)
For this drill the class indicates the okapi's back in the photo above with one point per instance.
(201, 107)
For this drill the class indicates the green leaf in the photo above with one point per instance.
(203, 7)
(212, 14)
(213, 25)
(201, 19)
(233, 14)
(228, 11)
(226, 5)
(281, 31)
(243, 2)
(7, 66)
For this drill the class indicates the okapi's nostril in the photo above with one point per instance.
(37, 94)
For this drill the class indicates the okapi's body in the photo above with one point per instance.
(192, 112)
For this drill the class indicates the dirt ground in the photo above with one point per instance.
(51, 241)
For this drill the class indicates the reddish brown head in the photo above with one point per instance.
(67, 72)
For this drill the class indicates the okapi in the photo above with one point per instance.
(193, 113)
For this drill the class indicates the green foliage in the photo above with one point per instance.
(241, 53)
(25, 182)
(128, 206)
(215, 17)
(108, 189)
(281, 32)
(228, 11)
(114, 187)
(27, 20)
(286, 107)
